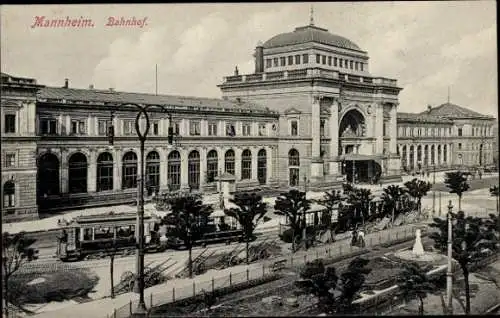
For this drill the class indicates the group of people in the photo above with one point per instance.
(358, 237)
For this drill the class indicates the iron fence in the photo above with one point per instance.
(253, 272)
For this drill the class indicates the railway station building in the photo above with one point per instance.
(310, 115)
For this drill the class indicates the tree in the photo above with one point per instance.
(320, 281)
(16, 252)
(495, 193)
(330, 201)
(392, 196)
(248, 211)
(456, 181)
(471, 240)
(293, 204)
(417, 189)
(351, 281)
(413, 282)
(190, 217)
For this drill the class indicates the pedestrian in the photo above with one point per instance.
(361, 238)
(354, 239)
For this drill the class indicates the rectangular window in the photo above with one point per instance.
(323, 59)
(334, 61)
(290, 60)
(384, 129)
(156, 128)
(361, 66)
(10, 160)
(194, 128)
(275, 62)
(230, 130)
(247, 129)
(330, 60)
(269, 63)
(305, 58)
(262, 130)
(340, 62)
(322, 128)
(48, 126)
(128, 127)
(103, 126)
(351, 65)
(77, 127)
(459, 146)
(10, 123)
(297, 59)
(294, 129)
(318, 58)
(212, 129)
(459, 132)
(283, 61)
(176, 127)
(356, 65)
(473, 132)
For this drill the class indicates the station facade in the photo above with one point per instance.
(310, 116)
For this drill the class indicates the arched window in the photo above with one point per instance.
(212, 165)
(9, 194)
(77, 173)
(104, 172)
(152, 172)
(419, 153)
(262, 166)
(229, 161)
(48, 175)
(432, 155)
(194, 169)
(481, 154)
(439, 155)
(426, 155)
(403, 157)
(174, 170)
(352, 124)
(129, 170)
(412, 157)
(293, 167)
(445, 153)
(246, 164)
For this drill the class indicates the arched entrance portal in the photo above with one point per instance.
(48, 175)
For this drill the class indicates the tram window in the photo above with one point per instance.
(123, 231)
(103, 233)
(87, 234)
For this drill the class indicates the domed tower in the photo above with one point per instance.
(338, 117)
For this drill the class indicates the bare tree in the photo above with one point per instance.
(16, 252)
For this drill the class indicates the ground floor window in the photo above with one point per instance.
(262, 166)
(174, 170)
(9, 194)
(294, 177)
(194, 170)
(104, 172)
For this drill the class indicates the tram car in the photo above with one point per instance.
(101, 235)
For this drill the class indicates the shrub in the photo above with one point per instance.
(286, 236)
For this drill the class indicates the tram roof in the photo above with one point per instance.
(111, 218)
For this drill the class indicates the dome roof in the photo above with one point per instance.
(310, 33)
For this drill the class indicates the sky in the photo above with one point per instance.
(427, 46)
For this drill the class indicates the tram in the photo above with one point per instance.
(105, 234)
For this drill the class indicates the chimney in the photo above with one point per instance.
(429, 108)
(259, 58)
(66, 83)
(91, 86)
(236, 71)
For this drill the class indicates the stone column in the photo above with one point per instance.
(92, 172)
(393, 129)
(316, 160)
(184, 169)
(117, 170)
(254, 175)
(415, 156)
(203, 167)
(221, 165)
(163, 168)
(334, 137)
(269, 164)
(379, 128)
(64, 173)
(237, 163)
(408, 155)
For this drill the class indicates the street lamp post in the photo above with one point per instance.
(434, 191)
(304, 232)
(449, 272)
(140, 310)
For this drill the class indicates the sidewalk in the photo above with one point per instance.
(103, 307)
